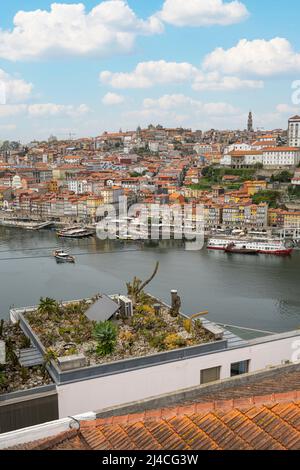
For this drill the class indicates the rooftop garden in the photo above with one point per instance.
(65, 330)
(13, 376)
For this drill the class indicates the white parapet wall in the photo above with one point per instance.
(43, 431)
(149, 382)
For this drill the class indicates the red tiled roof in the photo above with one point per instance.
(269, 422)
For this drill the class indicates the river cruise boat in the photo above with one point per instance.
(267, 247)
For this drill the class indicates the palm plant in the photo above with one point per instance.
(105, 333)
(47, 305)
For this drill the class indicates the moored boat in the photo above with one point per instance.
(248, 246)
(78, 232)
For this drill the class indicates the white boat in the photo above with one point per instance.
(267, 246)
(75, 232)
(62, 256)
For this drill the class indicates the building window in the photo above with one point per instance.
(210, 375)
(239, 368)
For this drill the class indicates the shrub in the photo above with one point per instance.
(105, 334)
(24, 374)
(187, 325)
(72, 351)
(144, 309)
(147, 322)
(25, 342)
(127, 338)
(158, 341)
(174, 341)
(3, 380)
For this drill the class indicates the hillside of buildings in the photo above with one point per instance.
(243, 178)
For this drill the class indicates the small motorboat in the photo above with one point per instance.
(63, 257)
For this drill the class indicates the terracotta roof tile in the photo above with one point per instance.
(270, 422)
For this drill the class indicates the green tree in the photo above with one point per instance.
(105, 333)
(283, 177)
(270, 197)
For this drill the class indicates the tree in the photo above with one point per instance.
(269, 197)
(136, 287)
(105, 334)
(283, 177)
(258, 166)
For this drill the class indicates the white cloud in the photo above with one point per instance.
(8, 110)
(182, 110)
(51, 109)
(180, 102)
(109, 28)
(111, 99)
(258, 57)
(14, 90)
(214, 81)
(287, 109)
(8, 127)
(149, 74)
(203, 12)
(43, 110)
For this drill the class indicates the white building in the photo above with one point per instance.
(16, 182)
(294, 131)
(237, 147)
(243, 158)
(281, 156)
(139, 378)
(77, 186)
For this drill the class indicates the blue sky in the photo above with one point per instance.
(117, 64)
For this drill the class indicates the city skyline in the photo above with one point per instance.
(94, 66)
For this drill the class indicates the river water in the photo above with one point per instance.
(256, 292)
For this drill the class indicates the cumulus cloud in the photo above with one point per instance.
(111, 99)
(51, 109)
(43, 110)
(287, 109)
(180, 101)
(109, 28)
(149, 74)
(202, 12)
(214, 81)
(258, 57)
(14, 90)
(182, 110)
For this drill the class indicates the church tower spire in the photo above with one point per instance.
(250, 122)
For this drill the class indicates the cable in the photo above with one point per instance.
(75, 254)
(38, 248)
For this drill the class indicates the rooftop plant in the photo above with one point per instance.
(47, 306)
(136, 287)
(105, 333)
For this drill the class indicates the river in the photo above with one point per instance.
(256, 292)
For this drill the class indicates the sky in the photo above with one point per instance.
(93, 66)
